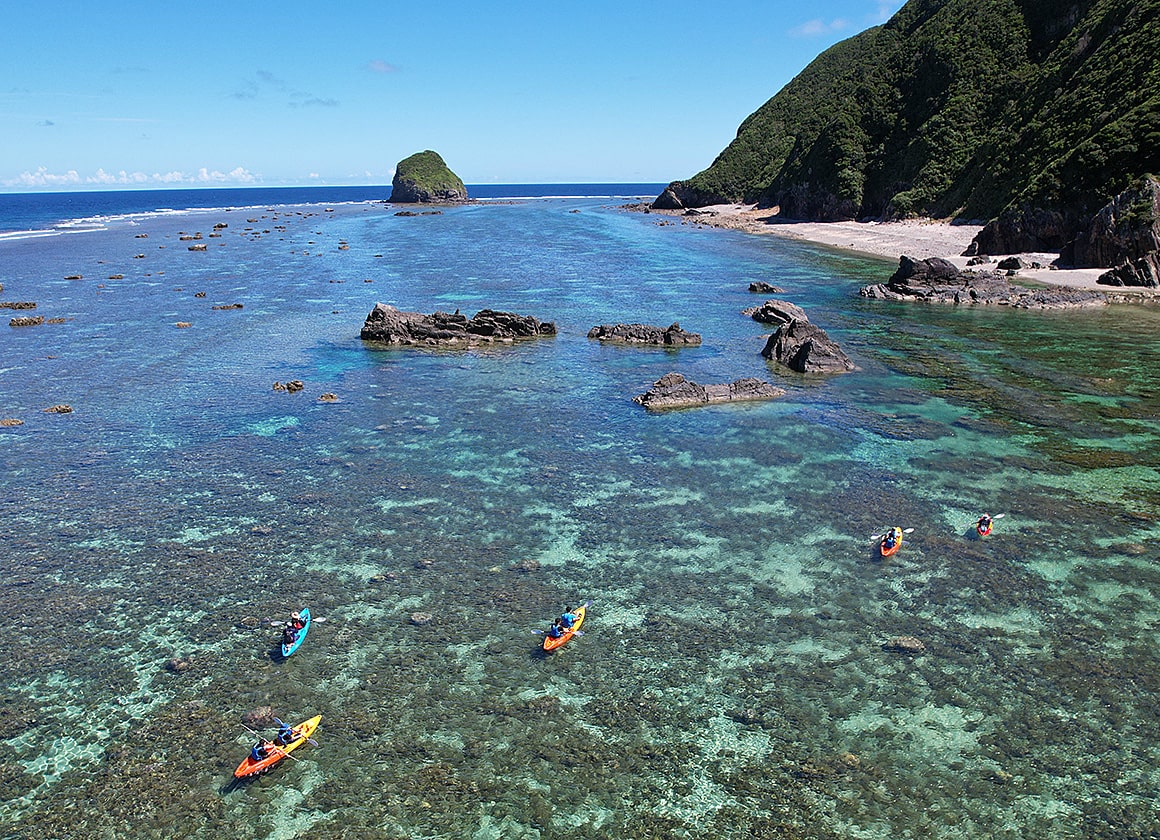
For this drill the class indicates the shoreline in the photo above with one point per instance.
(920, 239)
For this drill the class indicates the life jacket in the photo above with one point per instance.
(555, 631)
(567, 620)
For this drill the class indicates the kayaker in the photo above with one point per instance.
(555, 631)
(289, 634)
(985, 523)
(296, 621)
(260, 751)
(567, 620)
(285, 732)
(891, 538)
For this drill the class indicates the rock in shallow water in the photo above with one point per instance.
(672, 336)
(674, 391)
(387, 325)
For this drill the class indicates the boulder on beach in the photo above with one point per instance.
(936, 280)
(671, 336)
(387, 325)
(675, 391)
(424, 178)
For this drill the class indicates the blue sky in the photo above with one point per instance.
(148, 95)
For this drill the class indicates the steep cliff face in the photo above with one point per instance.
(1040, 110)
(424, 177)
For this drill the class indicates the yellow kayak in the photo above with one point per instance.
(277, 752)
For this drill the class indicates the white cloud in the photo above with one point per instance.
(817, 26)
(122, 178)
(380, 66)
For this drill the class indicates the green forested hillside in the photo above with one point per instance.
(956, 108)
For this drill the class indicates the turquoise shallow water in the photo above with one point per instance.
(733, 681)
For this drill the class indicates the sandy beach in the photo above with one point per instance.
(920, 239)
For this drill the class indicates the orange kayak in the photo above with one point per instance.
(888, 550)
(984, 529)
(552, 644)
(302, 731)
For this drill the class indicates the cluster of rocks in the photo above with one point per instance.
(798, 344)
(672, 336)
(936, 280)
(387, 325)
(1124, 236)
(674, 391)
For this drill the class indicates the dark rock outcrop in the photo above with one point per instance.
(387, 325)
(672, 336)
(1142, 272)
(776, 312)
(1125, 230)
(763, 288)
(674, 391)
(424, 178)
(936, 280)
(805, 347)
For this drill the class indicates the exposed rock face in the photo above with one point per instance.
(776, 312)
(672, 336)
(424, 177)
(1142, 272)
(674, 391)
(936, 280)
(678, 195)
(1023, 231)
(387, 325)
(1125, 230)
(804, 347)
(761, 287)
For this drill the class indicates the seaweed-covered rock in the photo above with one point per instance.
(387, 325)
(674, 391)
(672, 336)
(805, 347)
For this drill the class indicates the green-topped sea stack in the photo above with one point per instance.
(1034, 114)
(425, 178)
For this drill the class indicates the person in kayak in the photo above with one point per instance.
(296, 621)
(567, 620)
(985, 523)
(891, 538)
(260, 751)
(555, 631)
(285, 733)
(289, 633)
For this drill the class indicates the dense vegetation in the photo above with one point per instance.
(424, 176)
(956, 108)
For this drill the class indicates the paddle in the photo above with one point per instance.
(880, 536)
(310, 741)
(545, 632)
(996, 516)
(278, 622)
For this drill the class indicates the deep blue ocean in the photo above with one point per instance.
(41, 212)
(751, 667)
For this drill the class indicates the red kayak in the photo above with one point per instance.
(984, 526)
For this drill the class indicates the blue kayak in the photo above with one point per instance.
(289, 649)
